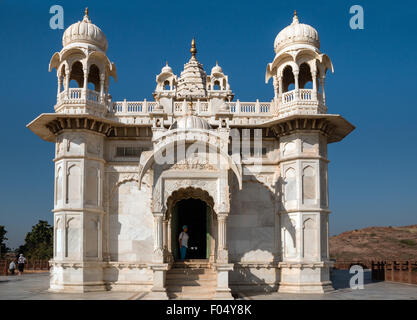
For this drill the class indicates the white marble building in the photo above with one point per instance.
(258, 217)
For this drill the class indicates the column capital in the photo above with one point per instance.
(158, 214)
(222, 215)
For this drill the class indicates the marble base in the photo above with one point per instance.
(223, 294)
(323, 287)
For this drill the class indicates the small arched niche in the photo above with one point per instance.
(94, 78)
(288, 81)
(77, 74)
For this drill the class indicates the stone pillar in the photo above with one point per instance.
(158, 266)
(314, 78)
(304, 213)
(296, 85)
(77, 265)
(279, 88)
(222, 264)
(66, 81)
(102, 79)
(158, 237)
(85, 83)
(59, 88)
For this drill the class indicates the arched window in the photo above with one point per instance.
(77, 74)
(94, 78)
(216, 85)
(288, 79)
(304, 77)
(166, 85)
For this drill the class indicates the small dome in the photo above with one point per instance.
(216, 69)
(166, 69)
(191, 122)
(296, 32)
(86, 32)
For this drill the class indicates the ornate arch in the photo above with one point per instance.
(148, 159)
(188, 193)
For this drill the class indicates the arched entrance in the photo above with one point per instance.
(197, 216)
(192, 207)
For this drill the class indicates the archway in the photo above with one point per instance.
(195, 214)
(192, 207)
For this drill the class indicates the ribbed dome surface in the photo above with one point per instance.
(296, 32)
(86, 32)
(216, 69)
(191, 122)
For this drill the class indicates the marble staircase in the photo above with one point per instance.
(191, 280)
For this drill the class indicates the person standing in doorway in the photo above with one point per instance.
(21, 263)
(183, 240)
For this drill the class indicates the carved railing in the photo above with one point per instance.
(250, 108)
(78, 95)
(133, 107)
(301, 95)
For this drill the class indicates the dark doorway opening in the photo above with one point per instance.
(194, 214)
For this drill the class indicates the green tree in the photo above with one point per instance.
(38, 242)
(3, 247)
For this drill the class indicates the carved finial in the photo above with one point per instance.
(217, 63)
(86, 11)
(295, 19)
(167, 63)
(193, 49)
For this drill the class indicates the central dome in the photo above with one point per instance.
(295, 33)
(191, 122)
(86, 32)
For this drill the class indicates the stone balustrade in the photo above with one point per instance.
(299, 101)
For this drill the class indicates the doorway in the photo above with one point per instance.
(195, 214)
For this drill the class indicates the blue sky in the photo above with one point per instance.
(372, 172)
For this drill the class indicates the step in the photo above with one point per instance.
(190, 271)
(200, 282)
(205, 265)
(181, 276)
(192, 289)
(182, 296)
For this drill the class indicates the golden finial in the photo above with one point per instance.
(193, 49)
(86, 11)
(295, 13)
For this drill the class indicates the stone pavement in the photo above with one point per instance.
(35, 286)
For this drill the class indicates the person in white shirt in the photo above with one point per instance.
(21, 263)
(12, 267)
(183, 240)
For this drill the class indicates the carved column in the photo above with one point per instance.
(159, 268)
(296, 85)
(279, 88)
(222, 265)
(314, 78)
(59, 87)
(66, 81)
(102, 78)
(85, 83)
(158, 237)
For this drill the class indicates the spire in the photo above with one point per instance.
(193, 49)
(295, 19)
(86, 17)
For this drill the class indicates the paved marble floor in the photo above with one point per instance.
(34, 287)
